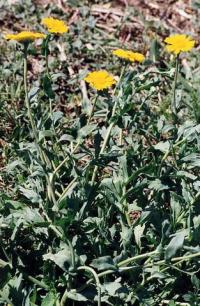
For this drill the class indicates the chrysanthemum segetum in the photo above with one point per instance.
(55, 25)
(100, 79)
(129, 55)
(25, 36)
(178, 43)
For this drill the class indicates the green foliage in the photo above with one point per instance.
(101, 210)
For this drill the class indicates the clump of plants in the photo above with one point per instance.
(102, 208)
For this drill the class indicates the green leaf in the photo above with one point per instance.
(157, 185)
(56, 116)
(195, 281)
(112, 287)
(33, 196)
(49, 300)
(86, 130)
(162, 146)
(138, 233)
(63, 258)
(76, 296)
(46, 133)
(175, 201)
(103, 263)
(33, 93)
(175, 244)
(47, 87)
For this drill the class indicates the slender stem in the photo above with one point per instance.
(141, 256)
(174, 106)
(109, 128)
(46, 53)
(34, 129)
(177, 303)
(186, 257)
(27, 102)
(92, 110)
(52, 177)
(67, 189)
(95, 275)
(168, 152)
(128, 220)
(127, 261)
(175, 260)
(66, 159)
(102, 151)
(121, 137)
(35, 281)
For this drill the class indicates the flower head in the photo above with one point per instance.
(100, 79)
(129, 55)
(55, 25)
(25, 36)
(179, 43)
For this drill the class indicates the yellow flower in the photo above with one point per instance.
(100, 79)
(25, 36)
(129, 55)
(179, 43)
(55, 25)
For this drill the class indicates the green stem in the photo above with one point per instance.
(43, 156)
(67, 189)
(95, 275)
(46, 53)
(102, 151)
(36, 282)
(27, 102)
(128, 260)
(125, 204)
(131, 259)
(92, 110)
(52, 177)
(177, 303)
(174, 106)
(121, 137)
(168, 152)
(109, 128)
(176, 260)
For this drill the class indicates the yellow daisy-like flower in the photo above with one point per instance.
(129, 55)
(100, 79)
(55, 25)
(25, 36)
(179, 43)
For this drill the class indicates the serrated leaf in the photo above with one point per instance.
(30, 194)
